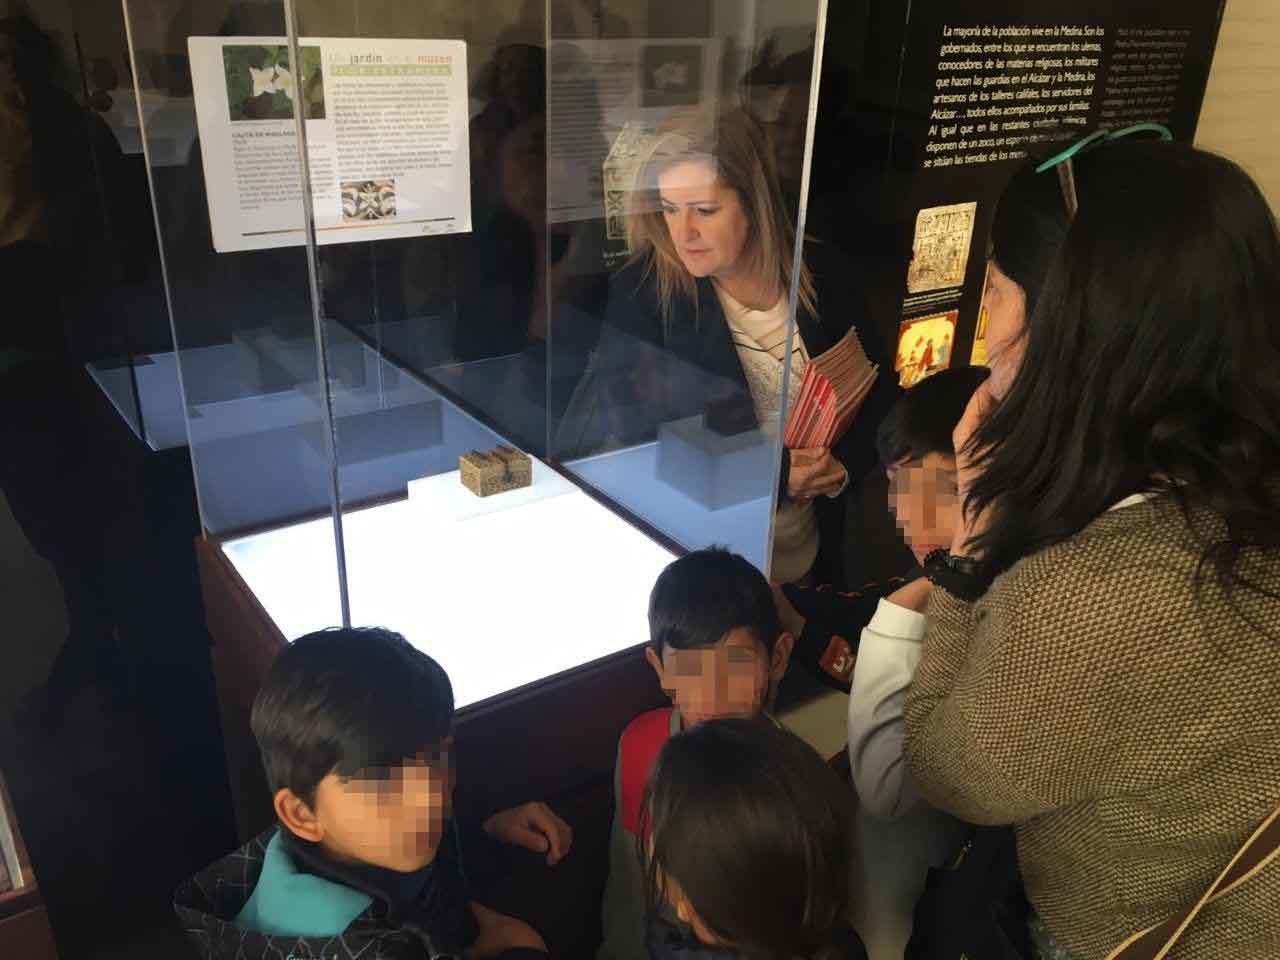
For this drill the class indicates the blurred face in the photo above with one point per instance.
(922, 496)
(1006, 304)
(705, 219)
(387, 817)
(734, 678)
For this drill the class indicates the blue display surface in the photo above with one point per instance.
(261, 452)
(630, 477)
(716, 470)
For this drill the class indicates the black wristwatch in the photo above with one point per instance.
(961, 577)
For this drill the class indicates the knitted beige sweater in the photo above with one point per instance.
(1133, 739)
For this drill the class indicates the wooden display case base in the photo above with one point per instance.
(27, 934)
(24, 923)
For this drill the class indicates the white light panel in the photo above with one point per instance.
(502, 591)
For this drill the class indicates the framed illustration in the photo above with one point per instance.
(924, 347)
(978, 356)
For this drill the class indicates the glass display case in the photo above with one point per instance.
(76, 227)
(541, 251)
(456, 282)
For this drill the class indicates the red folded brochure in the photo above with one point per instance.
(835, 386)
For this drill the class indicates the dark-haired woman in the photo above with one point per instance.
(1102, 664)
(746, 848)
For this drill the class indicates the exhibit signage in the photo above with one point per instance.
(984, 84)
(386, 138)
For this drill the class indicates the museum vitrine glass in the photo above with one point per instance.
(507, 356)
(75, 217)
(446, 393)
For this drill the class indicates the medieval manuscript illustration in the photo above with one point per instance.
(940, 253)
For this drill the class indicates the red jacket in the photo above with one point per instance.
(637, 750)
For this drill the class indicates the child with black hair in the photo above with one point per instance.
(914, 443)
(719, 650)
(356, 732)
(900, 836)
(746, 844)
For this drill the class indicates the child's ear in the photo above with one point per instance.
(297, 816)
(656, 662)
(781, 655)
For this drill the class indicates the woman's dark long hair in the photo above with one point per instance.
(753, 828)
(1029, 228)
(1152, 359)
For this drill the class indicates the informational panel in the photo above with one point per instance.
(386, 131)
(987, 83)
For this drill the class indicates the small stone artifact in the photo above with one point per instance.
(495, 471)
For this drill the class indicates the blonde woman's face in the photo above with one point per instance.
(705, 220)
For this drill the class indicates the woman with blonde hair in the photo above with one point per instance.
(697, 324)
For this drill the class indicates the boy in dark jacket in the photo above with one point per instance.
(914, 443)
(718, 650)
(355, 729)
(900, 836)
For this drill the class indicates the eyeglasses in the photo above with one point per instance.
(1062, 161)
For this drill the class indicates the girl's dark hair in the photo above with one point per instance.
(923, 419)
(352, 700)
(1152, 359)
(753, 828)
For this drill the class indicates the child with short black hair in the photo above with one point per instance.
(715, 641)
(914, 443)
(718, 650)
(745, 836)
(356, 732)
(900, 836)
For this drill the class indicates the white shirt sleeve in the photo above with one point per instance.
(887, 656)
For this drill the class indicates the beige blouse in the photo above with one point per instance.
(760, 337)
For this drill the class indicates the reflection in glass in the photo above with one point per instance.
(616, 305)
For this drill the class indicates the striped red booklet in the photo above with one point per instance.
(835, 386)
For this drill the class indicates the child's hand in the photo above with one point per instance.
(533, 826)
(499, 933)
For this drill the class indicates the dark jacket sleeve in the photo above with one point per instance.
(649, 369)
(842, 305)
(452, 923)
(857, 448)
(828, 644)
(622, 910)
(614, 403)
